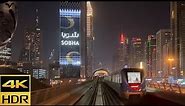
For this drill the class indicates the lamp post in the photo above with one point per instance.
(170, 65)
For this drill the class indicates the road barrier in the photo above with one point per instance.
(168, 87)
(42, 95)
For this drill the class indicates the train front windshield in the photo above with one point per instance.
(134, 80)
(134, 77)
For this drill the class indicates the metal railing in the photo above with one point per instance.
(42, 95)
(168, 87)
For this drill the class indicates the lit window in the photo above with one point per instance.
(172, 14)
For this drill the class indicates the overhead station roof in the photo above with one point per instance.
(99, 72)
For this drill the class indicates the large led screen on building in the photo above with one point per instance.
(70, 57)
(70, 37)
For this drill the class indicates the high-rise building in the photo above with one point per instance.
(123, 51)
(72, 49)
(31, 51)
(177, 10)
(120, 59)
(150, 46)
(76, 56)
(30, 58)
(90, 39)
(136, 52)
(162, 49)
(166, 56)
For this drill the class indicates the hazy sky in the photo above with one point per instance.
(110, 19)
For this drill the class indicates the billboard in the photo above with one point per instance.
(70, 58)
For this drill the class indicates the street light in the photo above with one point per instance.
(170, 61)
(141, 65)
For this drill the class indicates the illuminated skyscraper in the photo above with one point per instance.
(136, 54)
(90, 38)
(30, 57)
(72, 39)
(120, 59)
(150, 46)
(76, 56)
(124, 50)
(162, 40)
(32, 44)
(177, 10)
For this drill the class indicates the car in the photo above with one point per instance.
(181, 82)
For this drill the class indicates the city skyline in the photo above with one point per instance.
(103, 23)
(92, 53)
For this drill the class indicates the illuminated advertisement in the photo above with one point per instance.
(134, 77)
(70, 37)
(70, 58)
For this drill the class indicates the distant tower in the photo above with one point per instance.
(120, 58)
(123, 51)
(31, 52)
(37, 42)
(90, 38)
(32, 43)
(137, 51)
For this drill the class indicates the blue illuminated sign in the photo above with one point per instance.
(70, 37)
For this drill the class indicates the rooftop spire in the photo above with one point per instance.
(37, 18)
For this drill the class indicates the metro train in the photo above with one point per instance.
(128, 82)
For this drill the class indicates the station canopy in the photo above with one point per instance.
(101, 72)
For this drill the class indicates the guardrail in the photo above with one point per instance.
(168, 87)
(42, 95)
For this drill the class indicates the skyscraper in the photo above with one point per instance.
(72, 49)
(123, 51)
(120, 58)
(136, 54)
(30, 58)
(32, 44)
(177, 10)
(150, 46)
(162, 39)
(90, 38)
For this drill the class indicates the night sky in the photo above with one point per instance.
(110, 19)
